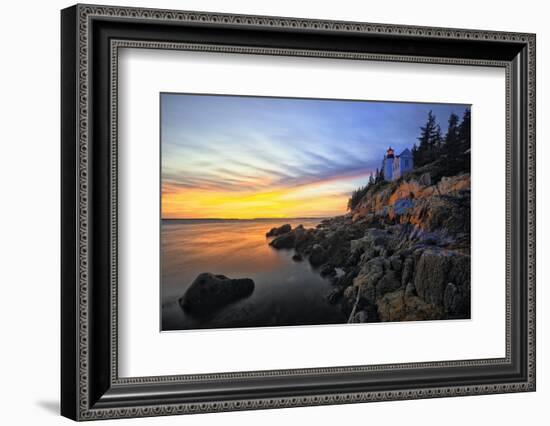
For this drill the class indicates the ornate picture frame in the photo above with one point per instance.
(91, 37)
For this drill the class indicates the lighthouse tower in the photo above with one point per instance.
(388, 164)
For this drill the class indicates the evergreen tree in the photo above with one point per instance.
(464, 128)
(414, 152)
(429, 139)
(464, 137)
(356, 196)
(452, 147)
(437, 140)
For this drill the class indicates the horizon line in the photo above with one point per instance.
(255, 218)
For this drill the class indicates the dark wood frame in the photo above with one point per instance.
(90, 386)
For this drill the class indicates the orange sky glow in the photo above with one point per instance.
(320, 199)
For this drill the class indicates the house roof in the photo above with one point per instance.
(406, 152)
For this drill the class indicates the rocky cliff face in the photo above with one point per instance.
(402, 254)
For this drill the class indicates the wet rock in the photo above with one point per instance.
(347, 278)
(360, 317)
(327, 270)
(274, 232)
(303, 237)
(318, 255)
(297, 257)
(365, 311)
(335, 295)
(209, 292)
(284, 241)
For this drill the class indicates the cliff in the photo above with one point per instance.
(402, 253)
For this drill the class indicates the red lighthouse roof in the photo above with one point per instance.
(389, 153)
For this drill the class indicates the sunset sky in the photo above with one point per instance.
(234, 157)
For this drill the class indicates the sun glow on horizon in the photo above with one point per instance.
(311, 200)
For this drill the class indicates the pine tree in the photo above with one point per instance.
(452, 147)
(415, 155)
(437, 140)
(464, 137)
(428, 140)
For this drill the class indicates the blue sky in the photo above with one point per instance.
(231, 145)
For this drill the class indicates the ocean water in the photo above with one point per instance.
(286, 292)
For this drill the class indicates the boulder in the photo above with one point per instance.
(303, 237)
(360, 317)
(327, 270)
(388, 283)
(273, 232)
(297, 257)
(346, 279)
(318, 255)
(397, 306)
(209, 292)
(370, 274)
(431, 275)
(437, 268)
(285, 241)
(334, 295)
(369, 312)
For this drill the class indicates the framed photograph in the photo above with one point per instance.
(263, 212)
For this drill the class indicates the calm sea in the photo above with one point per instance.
(286, 292)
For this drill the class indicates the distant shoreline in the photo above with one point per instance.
(241, 220)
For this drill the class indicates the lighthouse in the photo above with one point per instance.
(387, 164)
(395, 166)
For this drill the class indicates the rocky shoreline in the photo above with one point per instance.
(402, 254)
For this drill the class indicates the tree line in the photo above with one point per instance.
(452, 150)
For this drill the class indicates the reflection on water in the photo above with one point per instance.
(285, 293)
